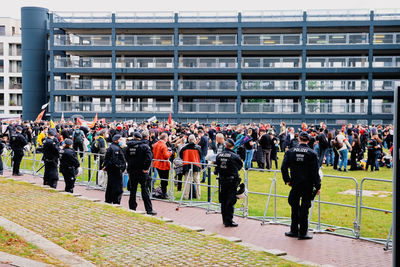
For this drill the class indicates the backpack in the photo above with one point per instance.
(95, 146)
(78, 136)
(337, 144)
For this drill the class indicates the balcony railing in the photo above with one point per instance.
(83, 62)
(271, 85)
(272, 15)
(387, 14)
(15, 86)
(385, 85)
(144, 40)
(79, 17)
(81, 107)
(337, 85)
(207, 39)
(337, 62)
(387, 38)
(145, 62)
(382, 108)
(286, 108)
(82, 40)
(337, 15)
(82, 84)
(386, 62)
(144, 84)
(208, 62)
(329, 108)
(337, 39)
(144, 17)
(271, 62)
(159, 107)
(207, 107)
(207, 16)
(271, 39)
(208, 85)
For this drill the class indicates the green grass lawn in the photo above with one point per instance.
(373, 223)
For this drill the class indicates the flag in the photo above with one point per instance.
(39, 117)
(52, 126)
(62, 117)
(45, 105)
(152, 119)
(79, 121)
(94, 122)
(169, 119)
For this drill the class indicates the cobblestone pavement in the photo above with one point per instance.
(112, 236)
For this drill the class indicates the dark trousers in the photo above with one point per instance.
(300, 210)
(114, 188)
(50, 176)
(144, 180)
(179, 178)
(353, 160)
(17, 158)
(267, 158)
(164, 176)
(336, 159)
(1, 164)
(321, 156)
(227, 198)
(69, 179)
(371, 159)
(79, 147)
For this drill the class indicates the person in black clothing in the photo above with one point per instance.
(65, 132)
(17, 143)
(372, 147)
(294, 141)
(274, 150)
(227, 168)
(51, 154)
(69, 164)
(2, 147)
(266, 145)
(305, 182)
(139, 156)
(115, 165)
(323, 146)
(355, 151)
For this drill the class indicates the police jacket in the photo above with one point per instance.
(69, 160)
(51, 151)
(114, 158)
(17, 141)
(303, 164)
(228, 164)
(138, 155)
(191, 153)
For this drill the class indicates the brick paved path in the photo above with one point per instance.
(111, 236)
(322, 249)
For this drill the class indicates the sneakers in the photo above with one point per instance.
(232, 224)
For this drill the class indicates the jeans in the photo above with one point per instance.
(329, 156)
(321, 156)
(343, 158)
(248, 158)
(378, 153)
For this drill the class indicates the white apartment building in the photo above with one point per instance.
(10, 67)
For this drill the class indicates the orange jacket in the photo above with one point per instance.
(160, 151)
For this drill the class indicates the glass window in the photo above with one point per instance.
(2, 30)
(1, 65)
(1, 82)
(1, 49)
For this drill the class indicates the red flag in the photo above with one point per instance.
(79, 121)
(94, 122)
(39, 117)
(169, 119)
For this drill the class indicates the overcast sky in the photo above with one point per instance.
(11, 8)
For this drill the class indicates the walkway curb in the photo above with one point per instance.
(47, 246)
(19, 261)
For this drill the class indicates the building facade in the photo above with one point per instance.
(10, 67)
(294, 66)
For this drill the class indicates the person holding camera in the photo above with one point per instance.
(228, 164)
(115, 165)
(69, 165)
(305, 182)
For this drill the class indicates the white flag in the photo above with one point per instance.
(45, 105)
(152, 119)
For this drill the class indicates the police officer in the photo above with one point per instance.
(305, 182)
(51, 153)
(139, 156)
(115, 165)
(17, 143)
(228, 165)
(69, 164)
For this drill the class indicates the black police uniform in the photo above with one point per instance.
(115, 165)
(51, 154)
(304, 180)
(139, 156)
(228, 165)
(17, 143)
(69, 164)
(2, 147)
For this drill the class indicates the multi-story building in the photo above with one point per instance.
(10, 67)
(295, 66)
